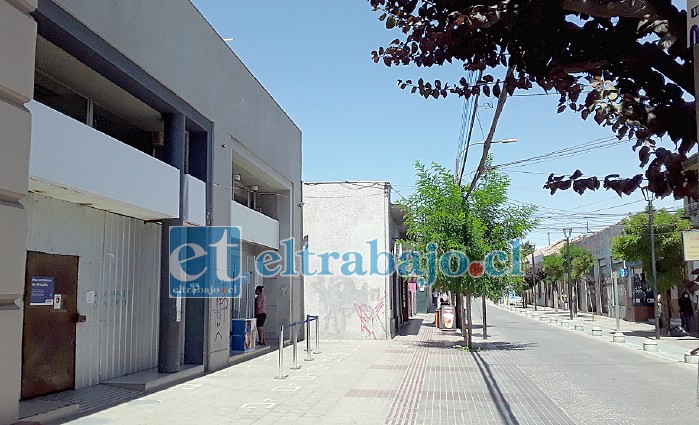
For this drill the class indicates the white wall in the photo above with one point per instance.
(255, 227)
(72, 161)
(195, 201)
(343, 218)
(17, 45)
(120, 261)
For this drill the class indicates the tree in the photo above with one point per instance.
(634, 245)
(438, 216)
(581, 262)
(500, 223)
(630, 55)
(531, 278)
(554, 267)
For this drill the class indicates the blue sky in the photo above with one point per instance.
(314, 58)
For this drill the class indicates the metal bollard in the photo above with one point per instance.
(296, 337)
(309, 355)
(317, 350)
(280, 374)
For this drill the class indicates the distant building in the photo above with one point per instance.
(346, 218)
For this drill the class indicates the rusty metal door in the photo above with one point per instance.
(50, 314)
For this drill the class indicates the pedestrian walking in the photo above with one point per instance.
(260, 313)
(686, 310)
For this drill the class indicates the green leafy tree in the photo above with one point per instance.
(634, 245)
(437, 213)
(581, 263)
(623, 63)
(554, 267)
(499, 223)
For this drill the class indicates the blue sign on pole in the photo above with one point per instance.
(204, 262)
(245, 278)
(41, 290)
(623, 272)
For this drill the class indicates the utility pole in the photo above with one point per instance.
(649, 197)
(567, 232)
(534, 282)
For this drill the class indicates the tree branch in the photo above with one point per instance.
(639, 9)
(649, 55)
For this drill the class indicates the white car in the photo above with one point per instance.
(515, 300)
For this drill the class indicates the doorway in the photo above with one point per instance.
(50, 314)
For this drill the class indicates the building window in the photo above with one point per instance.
(66, 101)
(120, 129)
(59, 97)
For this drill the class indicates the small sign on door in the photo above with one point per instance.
(41, 290)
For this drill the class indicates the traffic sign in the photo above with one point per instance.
(623, 272)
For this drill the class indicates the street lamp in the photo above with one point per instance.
(649, 196)
(567, 232)
(459, 171)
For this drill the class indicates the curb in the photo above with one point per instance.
(649, 346)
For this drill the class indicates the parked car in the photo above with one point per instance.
(515, 300)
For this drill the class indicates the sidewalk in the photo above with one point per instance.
(424, 376)
(636, 333)
(523, 374)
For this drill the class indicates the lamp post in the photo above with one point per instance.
(461, 163)
(534, 287)
(567, 232)
(648, 195)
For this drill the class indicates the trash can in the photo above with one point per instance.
(243, 334)
(447, 318)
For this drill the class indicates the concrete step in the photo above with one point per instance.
(150, 380)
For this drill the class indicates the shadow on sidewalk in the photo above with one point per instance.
(412, 327)
(483, 346)
(501, 404)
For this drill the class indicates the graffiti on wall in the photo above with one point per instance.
(371, 318)
(220, 316)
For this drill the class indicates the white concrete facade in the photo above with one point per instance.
(69, 188)
(17, 44)
(342, 218)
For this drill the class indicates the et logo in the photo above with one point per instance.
(204, 262)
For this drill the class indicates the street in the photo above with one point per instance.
(528, 372)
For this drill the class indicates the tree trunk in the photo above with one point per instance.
(458, 311)
(469, 330)
(666, 302)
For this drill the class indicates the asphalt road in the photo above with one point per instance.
(594, 381)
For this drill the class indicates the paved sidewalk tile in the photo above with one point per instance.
(424, 376)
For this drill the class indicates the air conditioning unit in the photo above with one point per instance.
(157, 139)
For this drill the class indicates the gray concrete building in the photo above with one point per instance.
(112, 133)
(341, 220)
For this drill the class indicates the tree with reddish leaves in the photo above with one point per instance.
(631, 55)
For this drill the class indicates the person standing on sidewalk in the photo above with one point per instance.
(260, 313)
(686, 310)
